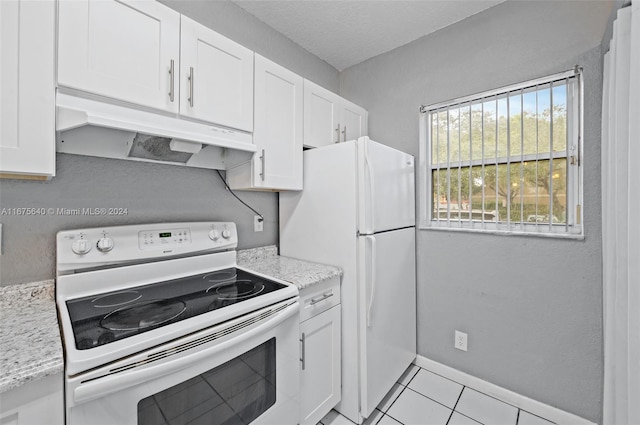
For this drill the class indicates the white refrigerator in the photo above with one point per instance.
(357, 211)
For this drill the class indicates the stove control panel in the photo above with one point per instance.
(154, 239)
(106, 246)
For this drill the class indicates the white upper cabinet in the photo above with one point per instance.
(216, 77)
(354, 121)
(147, 54)
(126, 50)
(321, 116)
(328, 118)
(277, 134)
(27, 89)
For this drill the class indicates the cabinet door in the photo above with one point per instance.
(320, 388)
(37, 402)
(278, 127)
(354, 121)
(27, 89)
(321, 116)
(216, 77)
(120, 49)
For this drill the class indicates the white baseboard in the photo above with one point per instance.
(537, 408)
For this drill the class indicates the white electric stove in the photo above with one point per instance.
(161, 326)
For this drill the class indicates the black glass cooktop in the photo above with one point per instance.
(113, 316)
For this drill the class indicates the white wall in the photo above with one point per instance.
(531, 306)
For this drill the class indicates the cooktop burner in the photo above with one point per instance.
(114, 300)
(237, 290)
(143, 315)
(221, 275)
(99, 320)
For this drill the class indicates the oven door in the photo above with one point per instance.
(244, 371)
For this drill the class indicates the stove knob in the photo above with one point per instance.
(105, 244)
(81, 246)
(214, 235)
(226, 234)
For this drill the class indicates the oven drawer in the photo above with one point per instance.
(318, 298)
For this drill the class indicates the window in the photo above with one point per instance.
(505, 161)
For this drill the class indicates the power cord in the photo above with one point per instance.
(261, 219)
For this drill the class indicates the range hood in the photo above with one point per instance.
(97, 128)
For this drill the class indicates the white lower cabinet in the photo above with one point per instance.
(320, 359)
(34, 403)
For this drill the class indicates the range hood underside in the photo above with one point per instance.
(117, 144)
(94, 128)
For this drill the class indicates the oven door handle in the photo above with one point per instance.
(100, 387)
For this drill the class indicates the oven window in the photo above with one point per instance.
(236, 392)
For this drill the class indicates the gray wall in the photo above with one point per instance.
(531, 306)
(151, 192)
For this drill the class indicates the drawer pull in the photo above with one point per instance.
(322, 298)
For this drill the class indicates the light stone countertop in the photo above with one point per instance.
(30, 344)
(301, 273)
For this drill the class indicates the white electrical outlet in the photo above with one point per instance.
(258, 223)
(460, 341)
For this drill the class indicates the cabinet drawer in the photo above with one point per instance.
(318, 298)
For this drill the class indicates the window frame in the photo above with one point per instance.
(573, 228)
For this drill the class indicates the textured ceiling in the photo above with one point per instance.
(347, 32)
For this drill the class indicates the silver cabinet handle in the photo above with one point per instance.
(337, 134)
(262, 159)
(302, 356)
(321, 298)
(171, 82)
(344, 134)
(190, 78)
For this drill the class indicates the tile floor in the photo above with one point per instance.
(421, 397)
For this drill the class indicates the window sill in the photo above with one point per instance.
(502, 232)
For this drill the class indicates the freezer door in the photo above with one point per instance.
(387, 312)
(385, 188)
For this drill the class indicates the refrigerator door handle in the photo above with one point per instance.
(372, 278)
(371, 191)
